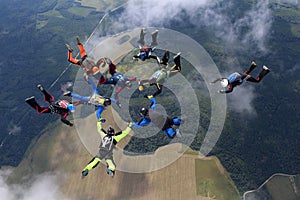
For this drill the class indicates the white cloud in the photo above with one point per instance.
(240, 100)
(44, 186)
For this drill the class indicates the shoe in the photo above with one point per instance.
(85, 172)
(176, 56)
(67, 93)
(253, 63)
(110, 172)
(266, 68)
(40, 87)
(29, 99)
(78, 41)
(141, 88)
(69, 48)
(178, 135)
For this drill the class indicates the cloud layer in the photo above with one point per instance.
(44, 186)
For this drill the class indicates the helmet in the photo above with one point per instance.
(107, 102)
(144, 111)
(128, 84)
(224, 82)
(110, 131)
(71, 107)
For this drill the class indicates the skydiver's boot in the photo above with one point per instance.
(263, 73)
(47, 97)
(251, 68)
(78, 41)
(69, 48)
(165, 58)
(31, 101)
(67, 93)
(154, 38)
(141, 41)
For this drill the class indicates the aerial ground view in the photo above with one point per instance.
(144, 100)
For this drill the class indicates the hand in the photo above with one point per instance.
(102, 120)
(71, 124)
(130, 124)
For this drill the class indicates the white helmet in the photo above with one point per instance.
(224, 82)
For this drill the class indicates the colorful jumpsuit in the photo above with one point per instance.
(107, 144)
(165, 123)
(94, 99)
(59, 107)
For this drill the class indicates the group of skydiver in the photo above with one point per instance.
(149, 114)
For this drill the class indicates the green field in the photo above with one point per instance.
(212, 182)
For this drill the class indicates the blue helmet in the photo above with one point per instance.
(71, 107)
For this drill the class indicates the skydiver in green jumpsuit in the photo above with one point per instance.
(108, 140)
(161, 75)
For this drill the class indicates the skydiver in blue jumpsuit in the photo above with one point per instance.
(96, 99)
(237, 78)
(165, 123)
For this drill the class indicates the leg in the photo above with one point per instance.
(47, 97)
(81, 98)
(39, 109)
(177, 66)
(263, 73)
(70, 56)
(100, 109)
(111, 167)
(93, 86)
(82, 52)
(251, 68)
(141, 41)
(159, 88)
(154, 38)
(92, 164)
(165, 58)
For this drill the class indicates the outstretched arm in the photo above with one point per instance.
(219, 79)
(118, 138)
(153, 103)
(99, 128)
(141, 123)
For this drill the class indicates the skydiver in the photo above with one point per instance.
(161, 75)
(165, 123)
(95, 99)
(146, 51)
(61, 107)
(89, 65)
(117, 79)
(237, 78)
(108, 141)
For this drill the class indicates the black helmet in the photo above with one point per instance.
(110, 131)
(107, 102)
(144, 111)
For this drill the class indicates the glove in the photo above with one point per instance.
(71, 124)
(129, 124)
(102, 120)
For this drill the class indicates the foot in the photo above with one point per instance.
(40, 87)
(110, 172)
(78, 41)
(30, 99)
(253, 63)
(266, 68)
(69, 48)
(67, 93)
(85, 172)
(177, 56)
